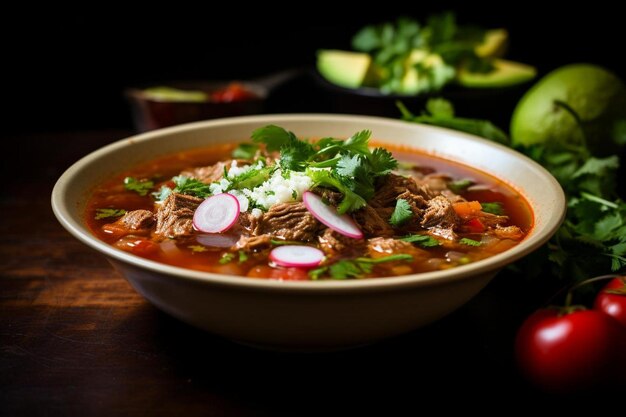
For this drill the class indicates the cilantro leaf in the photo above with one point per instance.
(382, 161)
(493, 208)
(251, 178)
(348, 165)
(469, 242)
(355, 268)
(141, 187)
(351, 201)
(245, 151)
(191, 186)
(226, 258)
(424, 241)
(460, 186)
(401, 213)
(273, 137)
(104, 213)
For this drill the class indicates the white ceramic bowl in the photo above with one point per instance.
(309, 315)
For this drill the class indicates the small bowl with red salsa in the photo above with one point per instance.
(183, 102)
(310, 236)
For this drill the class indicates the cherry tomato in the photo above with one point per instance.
(569, 352)
(613, 304)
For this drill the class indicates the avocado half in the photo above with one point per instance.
(504, 74)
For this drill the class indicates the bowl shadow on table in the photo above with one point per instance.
(466, 353)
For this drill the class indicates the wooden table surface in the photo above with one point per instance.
(77, 340)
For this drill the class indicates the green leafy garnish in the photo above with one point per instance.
(442, 115)
(141, 187)
(245, 151)
(401, 213)
(105, 213)
(197, 248)
(251, 178)
(242, 256)
(354, 268)
(226, 258)
(348, 166)
(469, 242)
(162, 194)
(424, 241)
(460, 186)
(191, 186)
(284, 242)
(493, 208)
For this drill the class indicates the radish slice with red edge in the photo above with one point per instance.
(340, 223)
(298, 256)
(216, 214)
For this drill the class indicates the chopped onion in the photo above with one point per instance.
(298, 256)
(216, 214)
(340, 223)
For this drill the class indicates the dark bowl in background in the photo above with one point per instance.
(494, 104)
(149, 113)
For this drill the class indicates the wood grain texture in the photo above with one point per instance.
(77, 340)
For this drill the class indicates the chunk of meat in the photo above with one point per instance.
(439, 213)
(371, 223)
(175, 216)
(380, 246)
(333, 243)
(492, 220)
(392, 186)
(332, 198)
(135, 222)
(288, 221)
(436, 182)
(508, 232)
(253, 243)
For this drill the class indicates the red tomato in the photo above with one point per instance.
(613, 305)
(568, 353)
(475, 226)
(285, 274)
(233, 92)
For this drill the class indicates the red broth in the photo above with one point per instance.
(189, 253)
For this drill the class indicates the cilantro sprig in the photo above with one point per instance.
(141, 187)
(105, 213)
(348, 166)
(355, 268)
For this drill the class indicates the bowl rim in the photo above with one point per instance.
(79, 230)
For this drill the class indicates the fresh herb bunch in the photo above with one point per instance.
(349, 166)
(592, 240)
(391, 46)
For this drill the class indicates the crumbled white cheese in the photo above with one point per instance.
(256, 212)
(243, 200)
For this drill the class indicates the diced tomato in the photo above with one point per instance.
(475, 225)
(137, 246)
(285, 274)
(467, 209)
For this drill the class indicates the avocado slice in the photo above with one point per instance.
(494, 44)
(345, 68)
(505, 73)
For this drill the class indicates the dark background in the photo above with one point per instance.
(67, 71)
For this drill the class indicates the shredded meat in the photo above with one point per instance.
(439, 213)
(175, 216)
(371, 223)
(331, 197)
(390, 188)
(136, 222)
(492, 220)
(381, 246)
(288, 221)
(333, 243)
(508, 232)
(211, 173)
(253, 243)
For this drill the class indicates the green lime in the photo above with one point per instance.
(548, 111)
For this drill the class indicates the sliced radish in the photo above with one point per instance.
(217, 240)
(340, 223)
(216, 214)
(298, 256)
